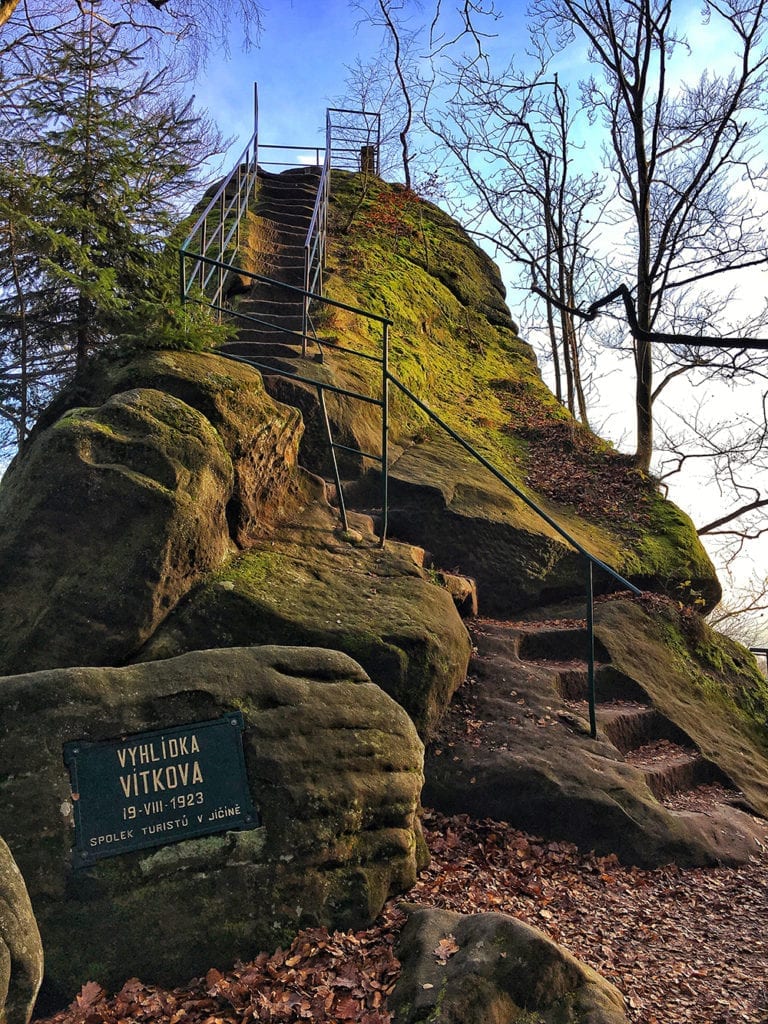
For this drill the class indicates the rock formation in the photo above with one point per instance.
(462, 969)
(21, 953)
(334, 768)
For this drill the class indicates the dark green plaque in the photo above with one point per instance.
(158, 787)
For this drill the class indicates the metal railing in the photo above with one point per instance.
(352, 142)
(216, 231)
(208, 267)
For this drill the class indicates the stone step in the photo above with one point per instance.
(285, 217)
(705, 796)
(553, 643)
(262, 349)
(610, 684)
(670, 768)
(631, 726)
(291, 321)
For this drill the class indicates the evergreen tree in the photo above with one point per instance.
(96, 157)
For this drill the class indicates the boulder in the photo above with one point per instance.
(334, 769)
(115, 510)
(110, 516)
(21, 952)
(444, 500)
(310, 585)
(460, 969)
(260, 436)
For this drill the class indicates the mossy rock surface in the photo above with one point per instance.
(21, 952)
(333, 765)
(261, 436)
(454, 344)
(528, 757)
(705, 683)
(310, 585)
(444, 500)
(496, 968)
(106, 520)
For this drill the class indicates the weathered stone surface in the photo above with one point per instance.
(334, 766)
(463, 591)
(503, 972)
(447, 502)
(354, 424)
(705, 683)
(261, 436)
(21, 952)
(309, 585)
(108, 518)
(528, 759)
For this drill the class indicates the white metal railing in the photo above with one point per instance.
(216, 232)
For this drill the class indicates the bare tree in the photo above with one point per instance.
(183, 30)
(730, 457)
(511, 137)
(390, 79)
(685, 159)
(743, 616)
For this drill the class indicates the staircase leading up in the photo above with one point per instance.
(528, 704)
(283, 208)
(665, 755)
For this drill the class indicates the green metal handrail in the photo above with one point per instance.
(591, 561)
(206, 266)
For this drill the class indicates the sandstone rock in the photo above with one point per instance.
(528, 758)
(463, 591)
(111, 515)
(710, 686)
(308, 585)
(21, 953)
(494, 968)
(446, 501)
(260, 436)
(334, 767)
(354, 424)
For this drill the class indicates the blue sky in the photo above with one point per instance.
(299, 67)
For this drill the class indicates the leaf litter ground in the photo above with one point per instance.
(681, 945)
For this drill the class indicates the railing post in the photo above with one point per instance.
(384, 433)
(591, 651)
(305, 303)
(334, 460)
(203, 252)
(220, 257)
(182, 278)
(255, 108)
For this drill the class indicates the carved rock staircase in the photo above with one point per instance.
(632, 732)
(284, 207)
(515, 746)
(674, 769)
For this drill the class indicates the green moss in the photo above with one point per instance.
(454, 344)
(705, 683)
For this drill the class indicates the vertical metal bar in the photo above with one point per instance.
(305, 304)
(182, 277)
(255, 108)
(591, 652)
(384, 434)
(332, 449)
(239, 206)
(203, 252)
(220, 256)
